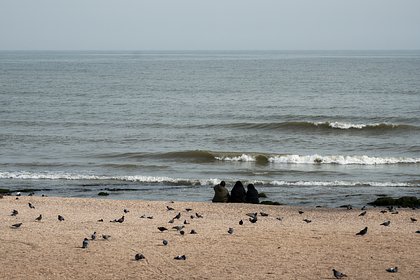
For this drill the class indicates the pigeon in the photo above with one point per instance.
(349, 207)
(307, 221)
(106, 237)
(386, 223)
(186, 222)
(417, 231)
(198, 215)
(192, 217)
(93, 236)
(139, 256)
(263, 214)
(17, 225)
(413, 220)
(181, 232)
(252, 215)
(171, 221)
(193, 231)
(178, 228)
(162, 229)
(301, 212)
(188, 209)
(60, 218)
(39, 218)
(169, 208)
(383, 211)
(85, 243)
(180, 257)
(120, 220)
(178, 216)
(280, 218)
(362, 214)
(31, 206)
(392, 269)
(150, 217)
(126, 211)
(363, 231)
(338, 274)
(165, 242)
(253, 220)
(241, 222)
(230, 230)
(14, 212)
(394, 212)
(363, 208)
(100, 220)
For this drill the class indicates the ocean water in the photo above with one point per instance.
(306, 127)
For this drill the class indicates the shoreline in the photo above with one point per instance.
(267, 249)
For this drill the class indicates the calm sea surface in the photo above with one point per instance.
(307, 128)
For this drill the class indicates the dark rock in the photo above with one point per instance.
(103, 194)
(269, 202)
(405, 201)
(262, 194)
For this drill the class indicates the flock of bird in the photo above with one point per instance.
(253, 218)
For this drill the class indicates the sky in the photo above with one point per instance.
(209, 24)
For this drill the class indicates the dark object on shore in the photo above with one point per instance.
(337, 274)
(120, 220)
(301, 212)
(5, 191)
(262, 195)
(16, 225)
(392, 269)
(126, 211)
(181, 232)
(413, 219)
(85, 243)
(106, 237)
(405, 201)
(93, 236)
(103, 194)
(252, 194)
(253, 219)
(14, 212)
(386, 223)
(193, 231)
(363, 231)
(39, 218)
(162, 229)
(100, 220)
(198, 215)
(238, 194)
(221, 193)
(178, 216)
(165, 242)
(31, 206)
(180, 257)
(138, 257)
(241, 222)
(230, 230)
(418, 231)
(263, 214)
(269, 202)
(362, 214)
(169, 208)
(307, 221)
(60, 218)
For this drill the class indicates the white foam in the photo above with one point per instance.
(242, 157)
(344, 125)
(340, 184)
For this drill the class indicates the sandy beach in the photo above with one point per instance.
(289, 248)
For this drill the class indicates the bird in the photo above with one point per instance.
(165, 242)
(280, 218)
(31, 206)
(301, 212)
(186, 222)
(263, 214)
(126, 211)
(39, 218)
(362, 214)
(253, 220)
(181, 232)
(171, 221)
(192, 217)
(120, 220)
(139, 256)
(106, 237)
(363, 208)
(193, 231)
(178, 216)
(413, 219)
(349, 207)
(417, 231)
(178, 228)
(252, 215)
(100, 220)
(363, 231)
(14, 212)
(307, 221)
(198, 215)
(337, 274)
(60, 218)
(85, 243)
(169, 208)
(386, 223)
(180, 257)
(93, 236)
(188, 209)
(392, 269)
(162, 229)
(150, 217)
(383, 211)
(230, 230)
(142, 216)
(17, 225)
(241, 222)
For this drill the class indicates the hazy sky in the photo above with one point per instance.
(209, 24)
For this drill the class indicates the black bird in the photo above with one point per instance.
(413, 220)
(171, 221)
(126, 211)
(93, 236)
(165, 242)
(106, 237)
(307, 221)
(363, 208)
(362, 214)
(186, 223)
(39, 218)
(392, 269)
(363, 231)
(17, 225)
(383, 211)
(14, 212)
(188, 209)
(31, 206)
(230, 230)
(183, 257)
(162, 229)
(386, 223)
(301, 212)
(85, 243)
(253, 220)
(198, 215)
(150, 217)
(100, 220)
(263, 214)
(139, 256)
(192, 217)
(280, 218)
(60, 218)
(349, 207)
(142, 216)
(178, 216)
(120, 220)
(337, 274)
(418, 231)
(241, 222)
(181, 232)
(169, 208)
(193, 231)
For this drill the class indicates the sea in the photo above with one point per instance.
(307, 128)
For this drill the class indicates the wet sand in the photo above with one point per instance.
(267, 249)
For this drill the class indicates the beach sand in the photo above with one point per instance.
(267, 249)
